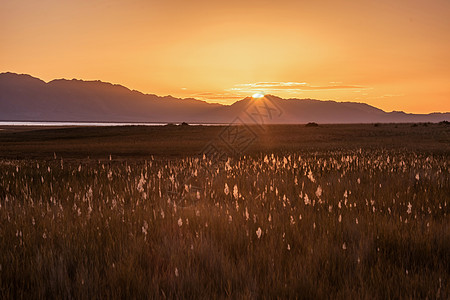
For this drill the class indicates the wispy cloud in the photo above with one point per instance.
(290, 86)
(386, 96)
(242, 90)
(215, 96)
(271, 84)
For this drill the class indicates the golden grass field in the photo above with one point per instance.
(336, 211)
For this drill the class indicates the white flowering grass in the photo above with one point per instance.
(316, 225)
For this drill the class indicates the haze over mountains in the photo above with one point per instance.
(26, 98)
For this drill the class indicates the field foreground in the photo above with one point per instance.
(335, 213)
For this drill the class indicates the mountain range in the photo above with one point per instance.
(26, 98)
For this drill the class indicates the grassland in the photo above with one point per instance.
(335, 211)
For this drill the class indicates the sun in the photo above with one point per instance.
(258, 95)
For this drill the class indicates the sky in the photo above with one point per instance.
(390, 54)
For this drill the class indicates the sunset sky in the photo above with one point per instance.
(390, 54)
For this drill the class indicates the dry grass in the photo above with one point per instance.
(330, 224)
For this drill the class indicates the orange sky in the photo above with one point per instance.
(390, 54)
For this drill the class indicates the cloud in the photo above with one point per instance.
(239, 91)
(386, 96)
(334, 87)
(290, 86)
(272, 84)
(216, 96)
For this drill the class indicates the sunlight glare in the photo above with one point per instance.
(257, 95)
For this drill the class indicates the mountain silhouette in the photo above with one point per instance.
(26, 98)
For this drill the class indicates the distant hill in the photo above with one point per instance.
(25, 98)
